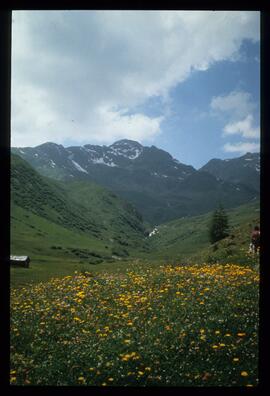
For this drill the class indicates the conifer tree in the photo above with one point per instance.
(219, 227)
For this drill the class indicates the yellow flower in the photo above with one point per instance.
(236, 359)
(244, 373)
(241, 334)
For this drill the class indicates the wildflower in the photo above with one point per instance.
(244, 373)
(236, 359)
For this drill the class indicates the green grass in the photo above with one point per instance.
(55, 250)
(188, 239)
(80, 207)
(164, 326)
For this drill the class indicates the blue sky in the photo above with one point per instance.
(187, 82)
(193, 133)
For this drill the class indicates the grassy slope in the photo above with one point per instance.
(50, 247)
(118, 218)
(183, 240)
(65, 227)
(187, 238)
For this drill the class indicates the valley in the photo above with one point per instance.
(112, 298)
(76, 224)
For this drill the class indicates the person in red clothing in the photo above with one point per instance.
(255, 239)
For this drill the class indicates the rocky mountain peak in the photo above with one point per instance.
(126, 148)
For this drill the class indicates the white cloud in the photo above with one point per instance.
(75, 73)
(236, 104)
(243, 127)
(237, 108)
(241, 147)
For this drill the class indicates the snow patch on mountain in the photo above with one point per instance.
(102, 162)
(78, 167)
(127, 149)
(90, 150)
(155, 231)
(53, 164)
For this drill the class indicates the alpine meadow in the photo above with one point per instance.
(129, 266)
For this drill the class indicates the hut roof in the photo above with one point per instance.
(19, 258)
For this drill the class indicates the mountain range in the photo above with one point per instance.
(159, 186)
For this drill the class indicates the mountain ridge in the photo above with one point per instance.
(158, 185)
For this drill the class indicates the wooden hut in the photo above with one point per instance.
(20, 261)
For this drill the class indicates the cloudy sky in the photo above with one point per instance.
(185, 81)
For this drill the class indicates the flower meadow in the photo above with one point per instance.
(191, 325)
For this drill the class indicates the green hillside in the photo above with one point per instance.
(187, 239)
(76, 225)
(72, 224)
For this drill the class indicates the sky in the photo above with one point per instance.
(187, 82)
